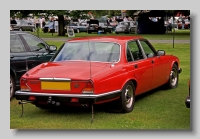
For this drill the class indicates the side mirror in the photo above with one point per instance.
(160, 53)
(52, 48)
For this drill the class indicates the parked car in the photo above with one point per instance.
(96, 26)
(74, 26)
(83, 27)
(26, 52)
(24, 25)
(96, 70)
(187, 100)
(125, 27)
(113, 24)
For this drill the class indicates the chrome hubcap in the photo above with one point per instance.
(173, 77)
(129, 96)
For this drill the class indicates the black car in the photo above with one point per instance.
(96, 26)
(26, 52)
(24, 25)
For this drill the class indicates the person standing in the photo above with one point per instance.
(183, 23)
(43, 22)
(125, 19)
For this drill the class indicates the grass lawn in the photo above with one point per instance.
(179, 35)
(158, 109)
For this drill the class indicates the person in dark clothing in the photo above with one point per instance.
(13, 21)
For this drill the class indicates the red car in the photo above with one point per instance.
(97, 70)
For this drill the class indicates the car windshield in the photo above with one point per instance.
(89, 51)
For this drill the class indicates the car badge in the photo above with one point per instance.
(76, 85)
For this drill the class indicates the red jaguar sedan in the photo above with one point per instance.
(96, 70)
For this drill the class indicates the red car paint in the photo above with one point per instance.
(97, 81)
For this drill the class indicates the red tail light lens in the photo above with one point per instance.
(23, 85)
(88, 88)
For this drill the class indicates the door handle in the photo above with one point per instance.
(37, 55)
(152, 61)
(11, 56)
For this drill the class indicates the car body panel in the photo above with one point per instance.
(103, 77)
(96, 26)
(22, 57)
(125, 27)
(24, 25)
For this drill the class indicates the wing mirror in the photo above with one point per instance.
(160, 53)
(52, 48)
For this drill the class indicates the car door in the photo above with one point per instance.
(158, 62)
(38, 50)
(141, 67)
(18, 57)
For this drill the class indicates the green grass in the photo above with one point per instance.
(179, 35)
(158, 109)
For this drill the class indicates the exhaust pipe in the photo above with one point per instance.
(85, 105)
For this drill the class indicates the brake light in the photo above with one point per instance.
(23, 85)
(88, 88)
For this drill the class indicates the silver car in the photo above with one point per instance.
(126, 27)
(24, 25)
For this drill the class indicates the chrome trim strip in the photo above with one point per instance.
(54, 79)
(65, 95)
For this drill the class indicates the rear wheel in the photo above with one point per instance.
(12, 87)
(126, 101)
(173, 77)
(128, 97)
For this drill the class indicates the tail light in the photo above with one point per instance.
(89, 88)
(23, 85)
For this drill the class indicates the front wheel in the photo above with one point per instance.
(173, 77)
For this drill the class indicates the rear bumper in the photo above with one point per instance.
(187, 101)
(62, 98)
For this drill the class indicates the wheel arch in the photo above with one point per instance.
(133, 81)
(13, 74)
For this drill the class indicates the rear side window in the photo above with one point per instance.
(16, 44)
(135, 51)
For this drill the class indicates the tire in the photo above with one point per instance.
(173, 77)
(33, 30)
(128, 97)
(77, 30)
(12, 87)
(125, 103)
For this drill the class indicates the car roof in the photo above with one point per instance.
(18, 32)
(106, 38)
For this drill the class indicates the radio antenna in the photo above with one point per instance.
(89, 59)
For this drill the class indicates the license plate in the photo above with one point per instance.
(48, 85)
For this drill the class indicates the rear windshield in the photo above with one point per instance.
(89, 51)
